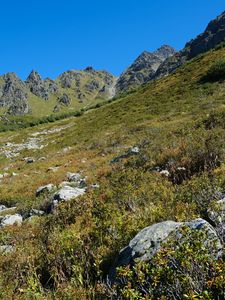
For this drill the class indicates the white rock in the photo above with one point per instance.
(74, 177)
(11, 220)
(43, 189)
(165, 173)
(67, 193)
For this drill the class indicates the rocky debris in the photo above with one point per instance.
(13, 150)
(37, 86)
(64, 99)
(143, 69)
(45, 189)
(131, 152)
(50, 131)
(13, 94)
(11, 220)
(67, 193)
(150, 240)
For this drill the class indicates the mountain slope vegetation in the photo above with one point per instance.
(122, 150)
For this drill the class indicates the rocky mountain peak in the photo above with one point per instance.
(34, 77)
(143, 68)
(164, 52)
(37, 86)
(89, 69)
(213, 35)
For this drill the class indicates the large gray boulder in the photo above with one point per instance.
(150, 240)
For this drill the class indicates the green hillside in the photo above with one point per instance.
(178, 125)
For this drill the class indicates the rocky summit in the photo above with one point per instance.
(71, 90)
(143, 69)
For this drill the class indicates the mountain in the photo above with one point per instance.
(213, 35)
(143, 69)
(71, 90)
(139, 176)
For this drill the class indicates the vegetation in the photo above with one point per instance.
(216, 71)
(177, 122)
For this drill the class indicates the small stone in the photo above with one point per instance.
(165, 173)
(45, 189)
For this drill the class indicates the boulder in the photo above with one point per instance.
(11, 220)
(77, 179)
(150, 240)
(45, 189)
(67, 193)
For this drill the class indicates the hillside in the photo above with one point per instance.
(155, 154)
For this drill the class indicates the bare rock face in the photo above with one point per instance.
(213, 35)
(14, 94)
(37, 86)
(64, 99)
(143, 69)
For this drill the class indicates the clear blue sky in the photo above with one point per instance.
(54, 36)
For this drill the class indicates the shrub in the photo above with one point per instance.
(216, 71)
(180, 270)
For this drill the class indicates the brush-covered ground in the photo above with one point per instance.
(178, 124)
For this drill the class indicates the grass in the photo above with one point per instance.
(68, 254)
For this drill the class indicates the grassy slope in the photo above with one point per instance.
(72, 249)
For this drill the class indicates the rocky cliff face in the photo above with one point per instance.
(213, 35)
(143, 69)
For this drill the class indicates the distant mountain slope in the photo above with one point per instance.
(71, 90)
(143, 68)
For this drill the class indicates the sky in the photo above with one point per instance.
(55, 36)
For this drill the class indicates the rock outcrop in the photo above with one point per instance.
(143, 69)
(37, 86)
(13, 94)
(151, 239)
